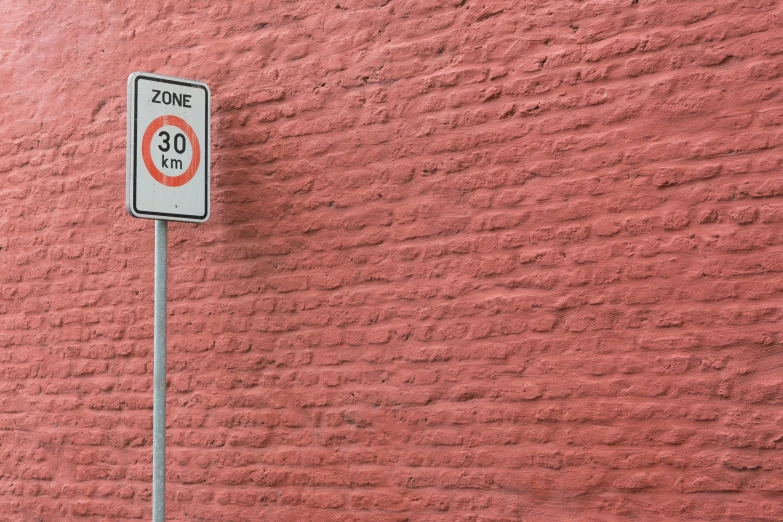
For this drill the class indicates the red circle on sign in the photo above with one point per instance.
(146, 153)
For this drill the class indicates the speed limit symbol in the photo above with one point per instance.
(167, 175)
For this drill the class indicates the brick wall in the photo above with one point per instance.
(467, 261)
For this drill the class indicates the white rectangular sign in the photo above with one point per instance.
(167, 171)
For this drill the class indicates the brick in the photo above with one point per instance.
(466, 262)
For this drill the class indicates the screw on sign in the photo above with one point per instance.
(167, 179)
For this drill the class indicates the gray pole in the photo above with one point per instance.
(159, 377)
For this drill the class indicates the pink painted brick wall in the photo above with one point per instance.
(468, 261)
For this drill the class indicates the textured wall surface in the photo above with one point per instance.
(468, 261)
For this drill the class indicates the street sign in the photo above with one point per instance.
(167, 179)
(167, 166)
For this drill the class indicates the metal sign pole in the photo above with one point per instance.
(159, 376)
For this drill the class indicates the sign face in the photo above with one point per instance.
(167, 171)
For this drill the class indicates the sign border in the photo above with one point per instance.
(132, 160)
